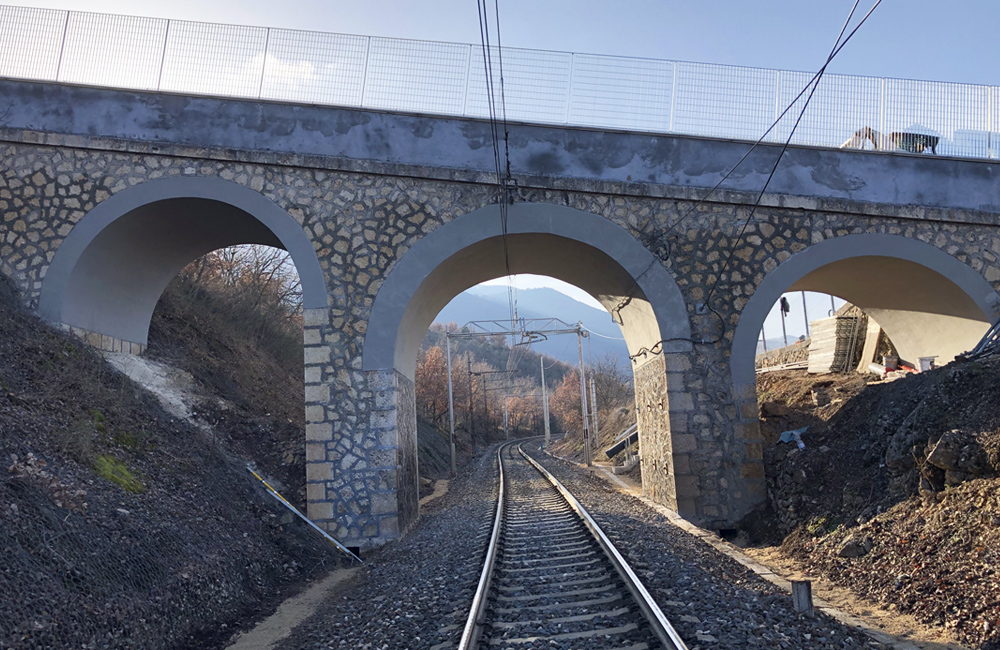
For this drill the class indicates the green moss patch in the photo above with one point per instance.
(114, 470)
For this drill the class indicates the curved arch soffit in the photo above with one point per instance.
(279, 223)
(578, 247)
(831, 251)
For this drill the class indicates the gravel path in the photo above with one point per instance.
(415, 594)
(712, 600)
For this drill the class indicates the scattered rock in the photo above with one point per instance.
(855, 546)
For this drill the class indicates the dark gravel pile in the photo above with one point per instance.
(713, 601)
(895, 496)
(120, 526)
(416, 593)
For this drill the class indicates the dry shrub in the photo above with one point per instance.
(255, 292)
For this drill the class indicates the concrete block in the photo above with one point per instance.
(319, 431)
(388, 527)
(383, 458)
(677, 362)
(315, 451)
(752, 470)
(318, 394)
(385, 399)
(383, 503)
(684, 443)
(682, 463)
(755, 451)
(749, 410)
(678, 423)
(688, 485)
(312, 336)
(675, 381)
(680, 401)
(319, 510)
(315, 413)
(315, 492)
(319, 471)
(748, 430)
(380, 420)
(688, 508)
(317, 355)
(314, 317)
(745, 393)
(313, 374)
(381, 380)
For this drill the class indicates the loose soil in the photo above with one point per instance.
(121, 525)
(864, 507)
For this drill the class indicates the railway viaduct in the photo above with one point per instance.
(107, 194)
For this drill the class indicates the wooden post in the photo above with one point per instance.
(802, 599)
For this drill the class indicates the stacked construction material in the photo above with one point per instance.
(832, 344)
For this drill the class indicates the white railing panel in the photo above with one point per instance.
(619, 92)
(416, 76)
(723, 101)
(535, 85)
(110, 50)
(314, 68)
(30, 42)
(840, 107)
(211, 59)
(955, 113)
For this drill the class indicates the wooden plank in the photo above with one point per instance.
(870, 351)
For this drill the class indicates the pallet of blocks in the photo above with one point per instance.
(831, 344)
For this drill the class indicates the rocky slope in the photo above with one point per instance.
(120, 525)
(895, 494)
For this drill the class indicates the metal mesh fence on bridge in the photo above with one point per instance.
(606, 92)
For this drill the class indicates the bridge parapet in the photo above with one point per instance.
(541, 87)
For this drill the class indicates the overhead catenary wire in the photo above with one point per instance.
(501, 161)
(811, 84)
(815, 84)
(811, 87)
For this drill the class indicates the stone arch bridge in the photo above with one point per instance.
(105, 195)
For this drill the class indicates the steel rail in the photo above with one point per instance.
(664, 631)
(473, 628)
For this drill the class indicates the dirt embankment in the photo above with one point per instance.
(895, 494)
(122, 526)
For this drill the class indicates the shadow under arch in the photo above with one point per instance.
(578, 247)
(109, 272)
(928, 302)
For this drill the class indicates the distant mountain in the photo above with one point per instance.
(490, 303)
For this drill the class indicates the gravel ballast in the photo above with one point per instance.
(415, 594)
(712, 600)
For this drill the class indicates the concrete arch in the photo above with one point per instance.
(928, 302)
(108, 274)
(577, 247)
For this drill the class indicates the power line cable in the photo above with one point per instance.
(657, 348)
(760, 195)
(661, 238)
(603, 336)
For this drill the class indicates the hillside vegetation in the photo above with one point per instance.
(122, 526)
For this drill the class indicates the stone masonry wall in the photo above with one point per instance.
(358, 447)
(408, 488)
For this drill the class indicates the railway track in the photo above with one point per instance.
(552, 579)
